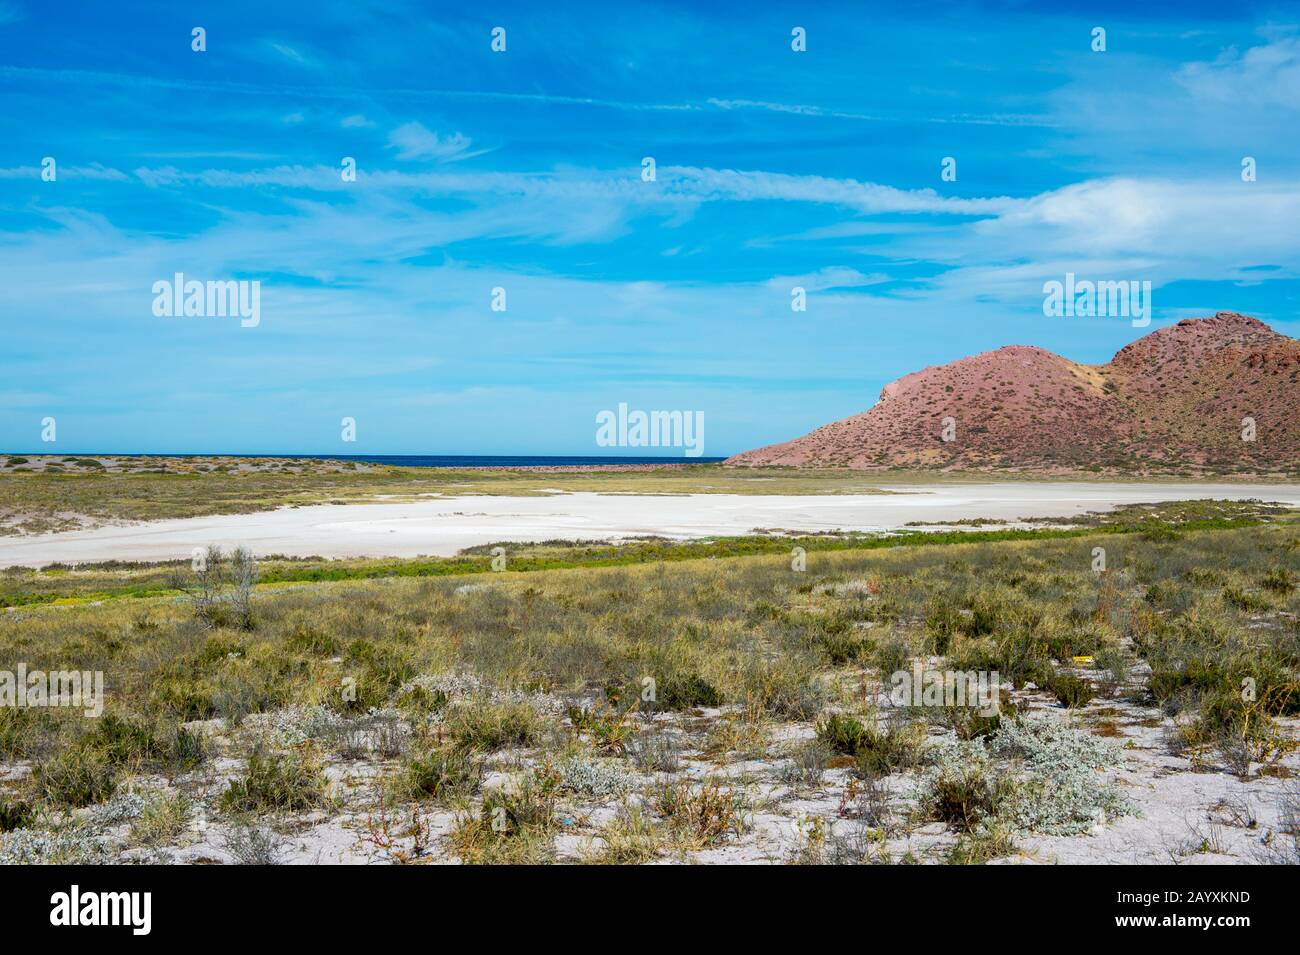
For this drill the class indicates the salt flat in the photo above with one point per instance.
(444, 525)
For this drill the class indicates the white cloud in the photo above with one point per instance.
(415, 141)
(288, 52)
(827, 278)
(1262, 74)
(94, 171)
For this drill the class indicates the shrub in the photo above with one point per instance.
(24, 732)
(838, 642)
(74, 778)
(789, 688)
(891, 655)
(608, 728)
(807, 765)
(654, 751)
(188, 748)
(224, 592)
(842, 734)
(254, 845)
(1245, 600)
(1063, 794)
(964, 796)
(123, 741)
(488, 727)
(1278, 580)
(441, 773)
(1071, 691)
(162, 819)
(897, 747)
(277, 782)
(700, 817)
(513, 825)
(594, 777)
(876, 751)
(686, 691)
(14, 813)
(969, 722)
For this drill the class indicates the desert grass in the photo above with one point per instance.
(652, 667)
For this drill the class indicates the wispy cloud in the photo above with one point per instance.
(415, 141)
(799, 109)
(1269, 73)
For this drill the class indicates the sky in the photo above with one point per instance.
(524, 170)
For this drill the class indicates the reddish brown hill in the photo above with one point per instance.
(1172, 401)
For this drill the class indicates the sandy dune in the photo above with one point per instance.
(443, 526)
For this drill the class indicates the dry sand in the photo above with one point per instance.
(442, 526)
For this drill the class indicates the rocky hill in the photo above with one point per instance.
(1172, 402)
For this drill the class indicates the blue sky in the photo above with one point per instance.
(522, 170)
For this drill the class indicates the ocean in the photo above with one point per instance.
(429, 460)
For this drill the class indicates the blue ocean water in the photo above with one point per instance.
(500, 460)
(438, 460)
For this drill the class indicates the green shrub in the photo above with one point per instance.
(277, 782)
(440, 773)
(1071, 691)
(488, 727)
(969, 722)
(883, 752)
(684, 691)
(608, 728)
(311, 642)
(14, 813)
(123, 741)
(182, 693)
(790, 688)
(163, 818)
(1278, 580)
(25, 732)
(1245, 600)
(891, 655)
(513, 825)
(421, 701)
(74, 778)
(964, 796)
(842, 734)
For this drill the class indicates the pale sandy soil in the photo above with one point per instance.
(444, 526)
(1180, 815)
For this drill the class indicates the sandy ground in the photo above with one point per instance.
(1180, 815)
(444, 526)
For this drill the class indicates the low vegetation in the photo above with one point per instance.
(666, 709)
